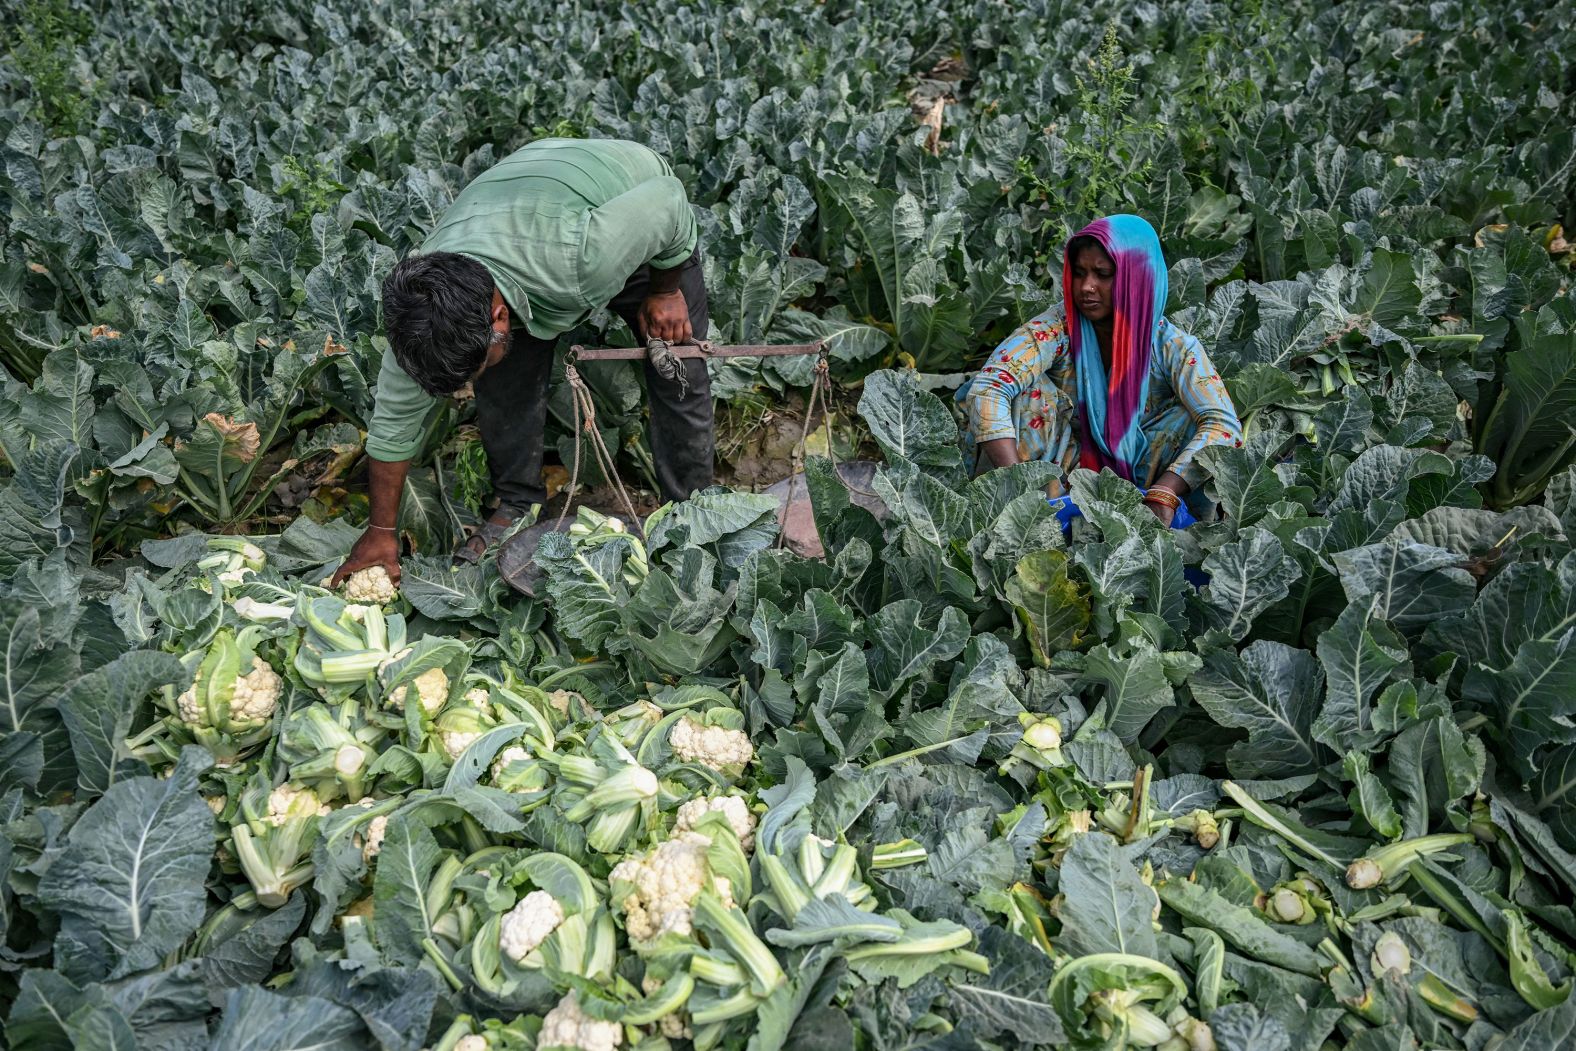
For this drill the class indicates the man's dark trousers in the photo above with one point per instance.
(511, 405)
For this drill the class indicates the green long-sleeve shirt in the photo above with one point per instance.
(560, 224)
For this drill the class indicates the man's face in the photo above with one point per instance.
(498, 349)
(1094, 277)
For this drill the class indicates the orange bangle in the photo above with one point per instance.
(1164, 497)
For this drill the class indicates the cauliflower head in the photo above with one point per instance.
(371, 585)
(513, 754)
(527, 925)
(560, 700)
(713, 746)
(455, 742)
(372, 839)
(432, 689)
(294, 801)
(735, 809)
(663, 886)
(567, 1026)
(674, 1026)
(255, 696)
(471, 1042)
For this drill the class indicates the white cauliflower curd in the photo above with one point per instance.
(432, 688)
(663, 885)
(371, 585)
(735, 809)
(527, 925)
(567, 1026)
(256, 693)
(712, 746)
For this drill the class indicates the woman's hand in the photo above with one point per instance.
(1171, 483)
(1001, 452)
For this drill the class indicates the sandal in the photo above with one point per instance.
(474, 547)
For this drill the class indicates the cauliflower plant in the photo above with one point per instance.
(713, 746)
(432, 688)
(567, 1026)
(735, 809)
(254, 698)
(371, 585)
(663, 885)
(532, 920)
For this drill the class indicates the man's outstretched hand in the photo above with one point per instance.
(377, 547)
(665, 316)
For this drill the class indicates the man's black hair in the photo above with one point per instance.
(437, 308)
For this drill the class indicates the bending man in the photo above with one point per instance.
(525, 253)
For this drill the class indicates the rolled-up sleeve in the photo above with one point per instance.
(398, 413)
(651, 223)
(1200, 389)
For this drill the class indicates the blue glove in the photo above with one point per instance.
(1066, 511)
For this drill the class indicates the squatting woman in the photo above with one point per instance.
(1104, 379)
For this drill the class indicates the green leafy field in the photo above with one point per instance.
(963, 783)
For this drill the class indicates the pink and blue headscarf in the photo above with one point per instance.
(1111, 408)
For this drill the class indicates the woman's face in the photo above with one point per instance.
(1094, 276)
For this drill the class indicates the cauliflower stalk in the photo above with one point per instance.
(325, 751)
(816, 868)
(229, 706)
(1039, 747)
(608, 791)
(345, 644)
